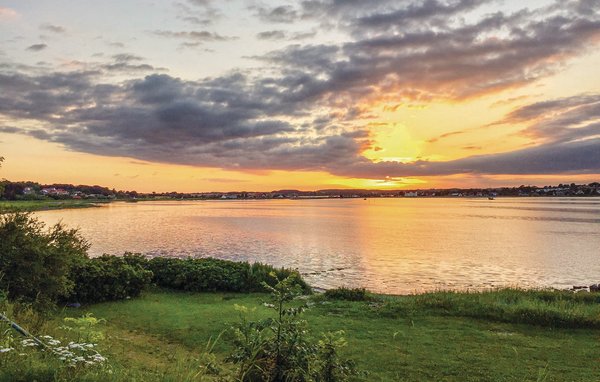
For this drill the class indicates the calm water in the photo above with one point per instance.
(386, 245)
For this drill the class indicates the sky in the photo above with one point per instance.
(232, 95)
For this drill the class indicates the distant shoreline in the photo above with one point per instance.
(48, 205)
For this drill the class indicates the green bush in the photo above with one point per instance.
(207, 274)
(279, 349)
(35, 263)
(108, 278)
(48, 266)
(348, 294)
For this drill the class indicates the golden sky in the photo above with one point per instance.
(457, 93)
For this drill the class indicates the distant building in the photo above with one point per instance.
(51, 191)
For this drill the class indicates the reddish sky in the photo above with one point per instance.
(201, 95)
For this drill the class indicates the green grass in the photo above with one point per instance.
(50, 204)
(431, 337)
(559, 309)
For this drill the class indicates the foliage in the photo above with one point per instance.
(161, 336)
(51, 266)
(208, 274)
(36, 263)
(348, 294)
(109, 278)
(329, 366)
(44, 358)
(278, 348)
(85, 327)
(47, 266)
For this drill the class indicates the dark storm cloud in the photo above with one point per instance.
(36, 47)
(454, 63)
(230, 122)
(569, 119)
(307, 114)
(572, 157)
(544, 108)
(9, 129)
(426, 12)
(357, 15)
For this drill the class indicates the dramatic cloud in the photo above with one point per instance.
(571, 157)
(304, 109)
(494, 53)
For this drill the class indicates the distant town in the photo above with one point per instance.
(36, 191)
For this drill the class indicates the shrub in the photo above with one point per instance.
(278, 348)
(35, 264)
(50, 266)
(348, 294)
(207, 274)
(109, 278)
(328, 365)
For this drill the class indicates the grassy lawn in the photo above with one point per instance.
(412, 338)
(40, 205)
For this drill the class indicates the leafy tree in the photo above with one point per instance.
(35, 263)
